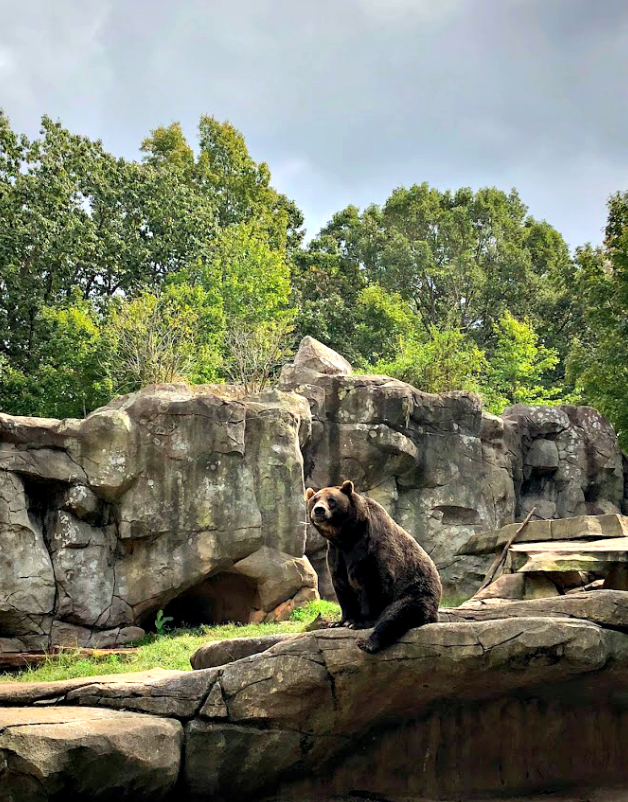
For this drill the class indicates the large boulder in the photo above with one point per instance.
(84, 753)
(567, 461)
(147, 502)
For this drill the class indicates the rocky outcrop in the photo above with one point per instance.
(181, 499)
(485, 703)
(167, 496)
(444, 468)
(86, 753)
(566, 461)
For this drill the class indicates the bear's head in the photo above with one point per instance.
(331, 507)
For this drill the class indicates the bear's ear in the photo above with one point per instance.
(347, 487)
(309, 493)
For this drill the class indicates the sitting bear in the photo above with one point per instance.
(382, 577)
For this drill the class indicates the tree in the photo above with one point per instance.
(255, 352)
(249, 275)
(238, 186)
(384, 324)
(74, 218)
(598, 363)
(439, 362)
(168, 146)
(518, 366)
(157, 339)
(70, 380)
(459, 259)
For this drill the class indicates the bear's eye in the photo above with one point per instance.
(331, 503)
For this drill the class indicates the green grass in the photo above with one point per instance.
(454, 600)
(173, 649)
(169, 651)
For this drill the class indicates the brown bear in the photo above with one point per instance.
(382, 577)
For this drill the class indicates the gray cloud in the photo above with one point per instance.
(347, 99)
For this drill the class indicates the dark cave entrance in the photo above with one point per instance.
(221, 599)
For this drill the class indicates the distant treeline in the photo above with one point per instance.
(190, 265)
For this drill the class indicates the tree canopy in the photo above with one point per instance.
(188, 264)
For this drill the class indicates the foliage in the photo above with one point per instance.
(64, 377)
(154, 339)
(190, 266)
(598, 363)
(517, 367)
(458, 259)
(255, 352)
(250, 274)
(442, 361)
(161, 621)
(313, 609)
(383, 324)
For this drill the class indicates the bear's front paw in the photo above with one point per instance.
(367, 645)
(360, 624)
(336, 624)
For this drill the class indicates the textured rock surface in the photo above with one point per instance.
(443, 468)
(86, 753)
(106, 520)
(567, 461)
(500, 699)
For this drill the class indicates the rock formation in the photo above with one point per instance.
(444, 468)
(181, 499)
(167, 494)
(511, 700)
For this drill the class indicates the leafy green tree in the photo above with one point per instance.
(69, 380)
(239, 187)
(249, 276)
(518, 366)
(598, 363)
(384, 323)
(168, 146)
(72, 217)
(459, 259)
(156, 339)
(439, 362)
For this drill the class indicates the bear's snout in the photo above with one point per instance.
(320, 512)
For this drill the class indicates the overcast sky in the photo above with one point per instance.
(347, 99)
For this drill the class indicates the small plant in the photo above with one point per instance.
(160, 622)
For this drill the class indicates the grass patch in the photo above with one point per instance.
(313, 609)
(171, 650)
(454, 600)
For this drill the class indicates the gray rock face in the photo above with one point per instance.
(437, 464)
(567, 461)
(84, 753)
(498, 700)
(444, 469)
(163, 493)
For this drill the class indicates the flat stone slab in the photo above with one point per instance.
(562, 556)
(580, 527)
(608, 608)
(86, 753)
(177, 694)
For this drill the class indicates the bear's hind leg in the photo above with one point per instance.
(400, 616)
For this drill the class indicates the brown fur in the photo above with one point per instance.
(382, 577)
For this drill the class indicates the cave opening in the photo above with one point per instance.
(221, 599)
